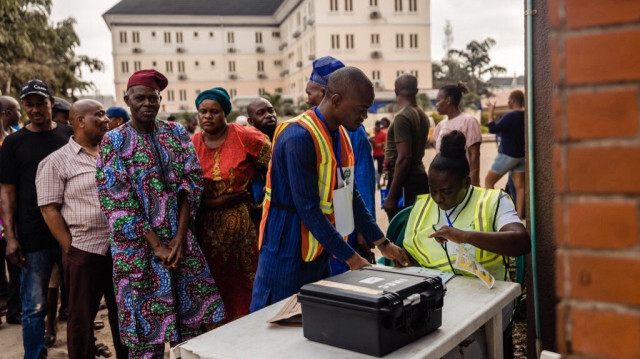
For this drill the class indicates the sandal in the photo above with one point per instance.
(103, 350)
(98, 324)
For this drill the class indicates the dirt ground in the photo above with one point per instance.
(11, 335)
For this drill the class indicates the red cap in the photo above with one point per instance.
(150, 78)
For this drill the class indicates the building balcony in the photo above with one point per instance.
(262, 75)
(375, 14)
(231, 50)
(378, 84)
(312, 57)
(260, 49)
(182, 77)
(282, 46)
(299, 63)
(376, 54)
(296, 34)
(284, 73)
(137, 50)
(233, 76)
(181, 50)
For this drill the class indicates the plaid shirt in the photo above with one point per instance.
(67, 177)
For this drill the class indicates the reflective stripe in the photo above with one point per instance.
(324, 173)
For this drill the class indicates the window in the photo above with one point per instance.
(197, 63)
(335, 41)
(413, 5)
(275, 34)
(123, 37)
(261, 91)
(232, 66)
(278, 90)
(153, 33)
(233, 92)
(260, 66)
(135, 37)
(195, 34)
(230, 37)
(258, 37)
(212, 63)
(375, 74)
(349, 41)
(333, 5)
(413, 41)
(375, 39)
(414, 73)
(398, 5)
(399, 41)
(179, 37)
(170, 96)
(167, 37)
(136, 65)
(399, 72)
(210, 33)
(348, 5)
(169, 66)
(125, 67)
(183, 95)
(154, 64)
(181, 66)
(197, 92)
(277, 62)
(373, 2)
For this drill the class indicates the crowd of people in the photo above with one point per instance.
(182, 231)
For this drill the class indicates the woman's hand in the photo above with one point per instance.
(227, 200)
(446, 233)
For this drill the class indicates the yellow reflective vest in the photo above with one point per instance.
(477, 214)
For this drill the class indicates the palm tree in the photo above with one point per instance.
(282, 106)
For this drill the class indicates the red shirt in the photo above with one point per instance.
(379, 138)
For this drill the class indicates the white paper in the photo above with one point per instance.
(343, 203)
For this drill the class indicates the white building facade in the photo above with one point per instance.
(255, 46)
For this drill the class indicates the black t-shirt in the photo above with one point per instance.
(511, 130)
(20, 155)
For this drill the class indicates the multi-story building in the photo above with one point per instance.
(255, 46)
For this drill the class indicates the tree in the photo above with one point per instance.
(476, 60)
(282, 106)
(31, 47)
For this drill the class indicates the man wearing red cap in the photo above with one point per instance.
(149, 182)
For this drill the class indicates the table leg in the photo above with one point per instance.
(493, 331)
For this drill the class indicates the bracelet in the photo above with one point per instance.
(384, 244)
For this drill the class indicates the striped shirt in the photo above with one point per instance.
(67, 177)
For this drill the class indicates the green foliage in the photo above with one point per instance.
(484, 129)
(484, 119)
(31, 47)
(424, 101)
(437, 117)
(282, 106)
(233, 115)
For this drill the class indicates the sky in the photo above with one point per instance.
(503, 20)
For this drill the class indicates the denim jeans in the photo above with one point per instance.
(33, 290)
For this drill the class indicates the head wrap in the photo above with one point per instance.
(150, 78)
(217, 94)
(323, 67)
(115, 111)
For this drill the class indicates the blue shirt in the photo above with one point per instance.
(294, 184)
(511, 130)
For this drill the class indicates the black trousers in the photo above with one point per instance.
(10, 288)
(413, 186)
(89, 277)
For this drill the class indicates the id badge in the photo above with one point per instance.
(343, 203)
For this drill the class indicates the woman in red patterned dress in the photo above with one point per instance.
(231, 157)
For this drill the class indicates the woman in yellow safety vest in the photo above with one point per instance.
(481, 221)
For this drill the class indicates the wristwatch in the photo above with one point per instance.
(384, 244)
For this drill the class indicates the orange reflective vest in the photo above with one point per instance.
(326, 164)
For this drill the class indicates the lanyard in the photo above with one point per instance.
(336, 137)
(447, 215)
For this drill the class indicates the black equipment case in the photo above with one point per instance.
(373, 310)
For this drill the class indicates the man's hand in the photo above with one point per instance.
(227, 200)
(490, 106)
(357, 262)
(397, 255)
(162, 252)
(14, 253)
(446, 233)
(390, 204)
(365, 247)
(177, 250)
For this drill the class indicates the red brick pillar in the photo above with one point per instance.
(595, 56)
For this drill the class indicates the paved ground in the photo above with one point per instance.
(11, 335)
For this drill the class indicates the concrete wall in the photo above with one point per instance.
(595, 57)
